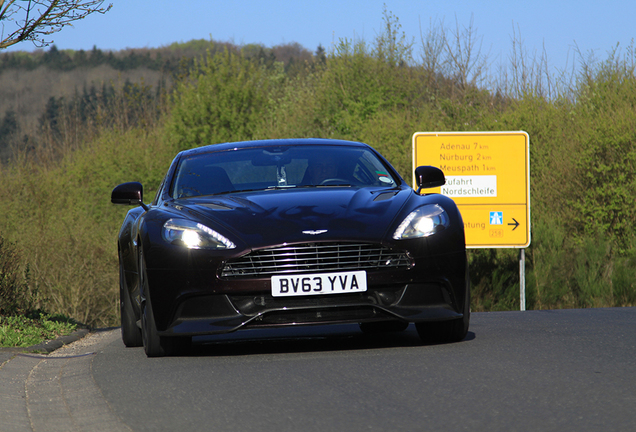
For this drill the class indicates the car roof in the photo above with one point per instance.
(270, 142)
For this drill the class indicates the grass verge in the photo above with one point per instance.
(35, 328)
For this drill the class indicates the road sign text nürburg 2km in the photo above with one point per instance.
(488, 176)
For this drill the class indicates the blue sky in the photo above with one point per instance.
(557, 25)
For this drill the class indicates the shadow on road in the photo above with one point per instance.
(301, 340)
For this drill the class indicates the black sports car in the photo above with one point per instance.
(288, 232)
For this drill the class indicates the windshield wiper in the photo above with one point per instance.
(254, 189)
(281, 187)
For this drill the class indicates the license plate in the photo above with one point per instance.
(319, 283)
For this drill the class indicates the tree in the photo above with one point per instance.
(224, 99)
(37, 19)
(8, 125)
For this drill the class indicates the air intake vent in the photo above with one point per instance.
(314, 257)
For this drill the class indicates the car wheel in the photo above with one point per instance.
(151, 340)
(130, 332)
(155, 345)
(438, 332)
(383, 326)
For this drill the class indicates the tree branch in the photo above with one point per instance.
(36, 19)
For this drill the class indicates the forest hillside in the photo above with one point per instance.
(38, 87)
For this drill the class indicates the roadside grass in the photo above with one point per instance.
(37, 327)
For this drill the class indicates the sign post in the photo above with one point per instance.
(488, 176)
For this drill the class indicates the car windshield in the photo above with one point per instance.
(247, 169)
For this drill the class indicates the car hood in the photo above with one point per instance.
(274, 217)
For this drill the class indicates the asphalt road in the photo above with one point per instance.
(565, 370)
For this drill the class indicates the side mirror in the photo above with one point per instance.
(131, 193)
(429, 177)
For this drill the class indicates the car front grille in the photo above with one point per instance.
(314, 257)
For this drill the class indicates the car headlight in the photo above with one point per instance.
(422, 222)
(194, 235)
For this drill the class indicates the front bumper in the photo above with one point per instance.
(191, 299)
(216, 314)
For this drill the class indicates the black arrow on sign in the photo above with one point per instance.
(516, 224)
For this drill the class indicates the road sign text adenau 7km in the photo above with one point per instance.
(488, 176)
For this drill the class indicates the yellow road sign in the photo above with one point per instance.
(488, 176)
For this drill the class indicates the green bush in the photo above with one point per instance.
(623, 279)
(494, 275)
(222, 99)
(16, 295)
(548, 267)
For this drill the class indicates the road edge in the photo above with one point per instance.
(46, 347)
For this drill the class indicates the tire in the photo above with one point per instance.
(155, 345)
(383, 326)
(439, 332)
(151, 340)
(130, 332)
